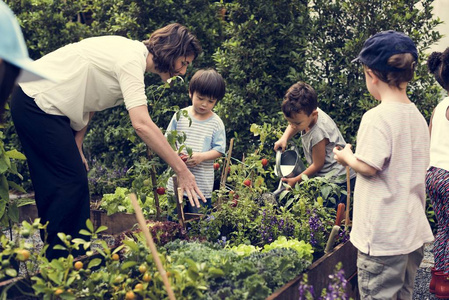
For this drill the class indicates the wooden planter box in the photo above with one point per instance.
(116, 223)
(318, 274)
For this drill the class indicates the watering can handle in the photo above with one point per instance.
(278, 163)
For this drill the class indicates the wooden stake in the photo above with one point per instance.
(151, 245)
(348, 197)
(224, 172)
(154, 183)
(179, 199)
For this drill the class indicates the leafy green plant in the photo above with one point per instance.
(319, 189)
(9, 212)
(304, 249)
(120, 202)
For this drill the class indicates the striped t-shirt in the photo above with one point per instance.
(389, 207)
(202, 136)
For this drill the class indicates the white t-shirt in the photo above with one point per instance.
(94, 74)
(202, 136)
(439, 142)
(389, 207)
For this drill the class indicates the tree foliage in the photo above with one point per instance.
(260, 47)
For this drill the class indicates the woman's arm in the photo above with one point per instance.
(155, 140)
(79, 138)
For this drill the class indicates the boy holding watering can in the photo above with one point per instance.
(319, 135)
(390, 225)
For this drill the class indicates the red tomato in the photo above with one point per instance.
(264, 162)
(160, 190)
(216, 166)
(247, 182)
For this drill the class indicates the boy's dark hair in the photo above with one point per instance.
(169, 43)
(208, 83)
(300, 97)
(405, 62)
(438, 64)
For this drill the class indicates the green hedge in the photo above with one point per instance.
(260, 48)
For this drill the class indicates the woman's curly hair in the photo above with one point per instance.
(438, 65)
(169, 43)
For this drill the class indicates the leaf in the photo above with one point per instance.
(56, 277)
(118, 249)
(325, 191)
(283, 193)
(289, 202)
(15, 154)
(13, 212)
(94, 262)
(2, 207)
(3, 165)
(4, 188)
(128, 264)
(215, 272)
(101, 228)
(132, 245)
(11, 272)
(89, 225)
(85, 232)
(15, 186)
(59, 247)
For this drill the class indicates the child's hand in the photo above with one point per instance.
(281, 143)
(342, 155)
(291, 181)
(194, 160)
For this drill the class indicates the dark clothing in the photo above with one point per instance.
(58, 175)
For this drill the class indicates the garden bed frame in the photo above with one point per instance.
(319, 271)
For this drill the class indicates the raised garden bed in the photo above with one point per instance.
(318, 273)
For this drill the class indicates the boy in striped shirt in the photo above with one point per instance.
(206, 134)
(390, 224)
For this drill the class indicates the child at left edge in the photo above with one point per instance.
(206, 135)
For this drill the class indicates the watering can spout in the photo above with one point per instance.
(288, 165)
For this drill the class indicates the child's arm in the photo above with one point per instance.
(199, 157)
(347, 158)
(318, 159)
(288, 134)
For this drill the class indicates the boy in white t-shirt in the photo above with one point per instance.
(390, 224)
(205, 131)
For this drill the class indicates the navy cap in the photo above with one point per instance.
(381, 46)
